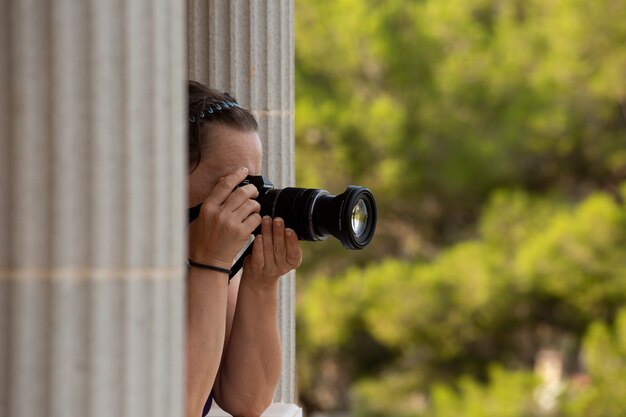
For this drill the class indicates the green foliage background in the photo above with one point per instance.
(493, 134)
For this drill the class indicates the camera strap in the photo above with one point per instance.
(239, 264)
(194, 213)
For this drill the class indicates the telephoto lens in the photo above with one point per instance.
(316, 214)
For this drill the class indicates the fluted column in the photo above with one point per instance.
(92, 176)
(246, 47)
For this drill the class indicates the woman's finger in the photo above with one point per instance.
(268, 244)
(294, 252)
(239, 197)
(278, 236)
(252, 222)
(248, 208)
(258, 260)
(225, 186)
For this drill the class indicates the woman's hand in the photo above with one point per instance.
(275, 252)
(227, 218)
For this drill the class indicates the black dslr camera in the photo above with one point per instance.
(313, 214)
(316, 214)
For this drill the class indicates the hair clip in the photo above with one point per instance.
(214, 108)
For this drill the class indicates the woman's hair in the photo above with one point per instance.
(207, 108)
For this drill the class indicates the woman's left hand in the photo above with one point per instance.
(274, 253)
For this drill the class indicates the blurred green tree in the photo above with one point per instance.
(492, 133)
(435, 103)
(541, 272)
(603, 392)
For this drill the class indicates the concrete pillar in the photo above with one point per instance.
(92, 177)
(246, 47)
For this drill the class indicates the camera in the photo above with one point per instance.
(316, 214)
(313, 214)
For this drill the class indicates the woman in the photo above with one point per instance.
(233, 347)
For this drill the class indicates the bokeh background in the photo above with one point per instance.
(493, 134)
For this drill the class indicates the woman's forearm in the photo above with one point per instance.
(207, 293)
(251, 364)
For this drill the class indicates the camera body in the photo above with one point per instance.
(260, 182)
(316, 214)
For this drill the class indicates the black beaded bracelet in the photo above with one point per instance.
(209, 267)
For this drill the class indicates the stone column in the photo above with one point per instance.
(92, 177)
(246, 47)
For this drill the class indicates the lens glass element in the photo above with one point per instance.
(359, 218)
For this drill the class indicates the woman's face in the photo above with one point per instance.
(229, 149)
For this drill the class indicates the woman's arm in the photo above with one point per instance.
(252, 361)
(251, 364)
(227, 218)
(207, 293)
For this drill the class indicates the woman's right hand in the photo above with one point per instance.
(228, 217)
